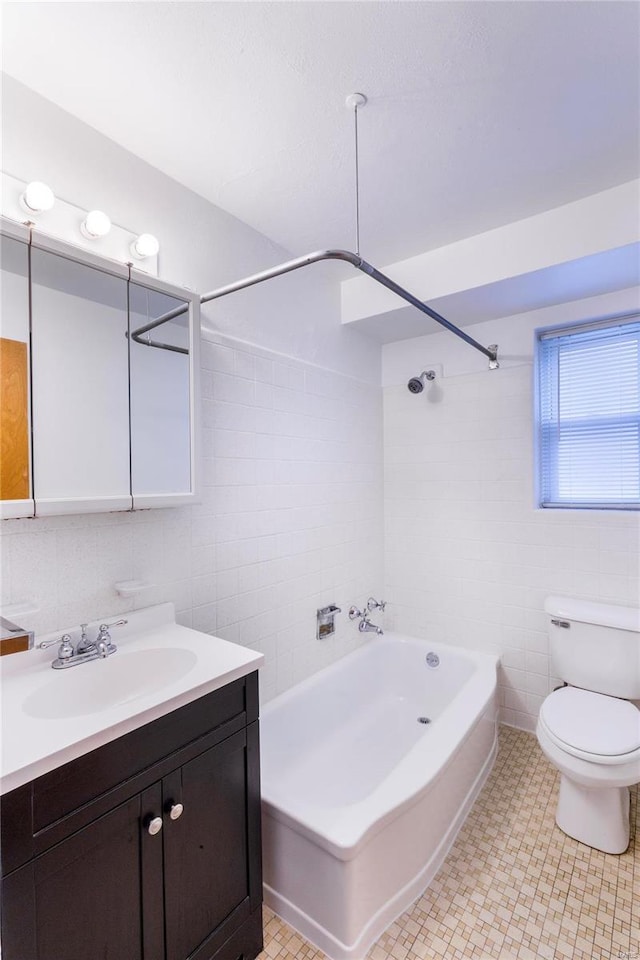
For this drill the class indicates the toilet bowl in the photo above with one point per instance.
(590, 729)
(594, 742)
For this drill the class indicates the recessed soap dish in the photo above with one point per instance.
(130, 588)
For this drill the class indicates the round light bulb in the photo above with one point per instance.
(96, 224)
(146, 245)
(37, 197)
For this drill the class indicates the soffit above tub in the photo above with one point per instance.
(479, 113)
(578, 250)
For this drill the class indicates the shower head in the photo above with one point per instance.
(417, 384)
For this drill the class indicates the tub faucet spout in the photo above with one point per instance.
(365, 625)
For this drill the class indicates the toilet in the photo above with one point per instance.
(590, 729)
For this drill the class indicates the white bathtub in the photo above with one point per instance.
(361, 801)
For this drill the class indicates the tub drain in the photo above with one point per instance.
(424, 720)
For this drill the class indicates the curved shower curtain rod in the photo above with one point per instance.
(355, 260)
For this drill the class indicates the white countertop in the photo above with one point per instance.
(34, 740)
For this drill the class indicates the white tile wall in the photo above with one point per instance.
(468, 559)
(290, 520)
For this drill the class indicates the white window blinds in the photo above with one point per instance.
(589, 416)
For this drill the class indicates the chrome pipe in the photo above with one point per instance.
(171, 315)
(290, 265)
(158, 344)
(356, 261)
(390, 284)
(287, 267)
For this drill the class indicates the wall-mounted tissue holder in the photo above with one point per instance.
(326, 625)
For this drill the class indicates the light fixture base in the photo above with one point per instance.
(355, 100)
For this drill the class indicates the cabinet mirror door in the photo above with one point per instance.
(163, 368)
(16, 491)
(80, 391)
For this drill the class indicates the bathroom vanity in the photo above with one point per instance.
(146, 847)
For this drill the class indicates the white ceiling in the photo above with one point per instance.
(480, 113)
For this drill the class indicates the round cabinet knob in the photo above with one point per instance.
(154, 825)
(175, 811)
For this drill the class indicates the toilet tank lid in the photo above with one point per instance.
(602, 614)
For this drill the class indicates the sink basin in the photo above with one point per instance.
(95, 686)
(50, 717)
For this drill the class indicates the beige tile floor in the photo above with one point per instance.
(513, 885)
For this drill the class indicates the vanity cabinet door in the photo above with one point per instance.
(82, 898)
(212, 851)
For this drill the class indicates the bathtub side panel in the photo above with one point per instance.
(343, 905)
(307, 886)
(400, 861)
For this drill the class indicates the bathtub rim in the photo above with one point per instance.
(344, 829)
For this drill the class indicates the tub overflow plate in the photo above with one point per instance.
(433, 660)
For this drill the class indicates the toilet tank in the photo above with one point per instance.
(595, 645)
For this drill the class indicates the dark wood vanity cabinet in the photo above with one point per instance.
(86, 877)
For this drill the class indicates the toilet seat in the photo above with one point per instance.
(592, 726)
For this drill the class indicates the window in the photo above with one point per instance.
(588, 416)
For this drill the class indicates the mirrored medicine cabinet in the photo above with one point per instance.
(99, 399)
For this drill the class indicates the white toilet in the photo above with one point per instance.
(590, 730)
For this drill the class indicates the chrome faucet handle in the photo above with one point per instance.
(50, 643)
(103, 640)
(373, 604)
(354, 613)
(103, 629)
(66, 646)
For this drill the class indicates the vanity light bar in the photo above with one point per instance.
(38, 198)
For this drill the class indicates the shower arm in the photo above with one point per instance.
(345, 255)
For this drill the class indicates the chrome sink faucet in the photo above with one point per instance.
(70, 656)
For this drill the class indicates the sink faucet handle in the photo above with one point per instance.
(50, 643)
(66, 646)
(104, 637)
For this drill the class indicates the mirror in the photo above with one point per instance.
(15, 412)
(160, 395)
(80, 385)
(99, 382)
